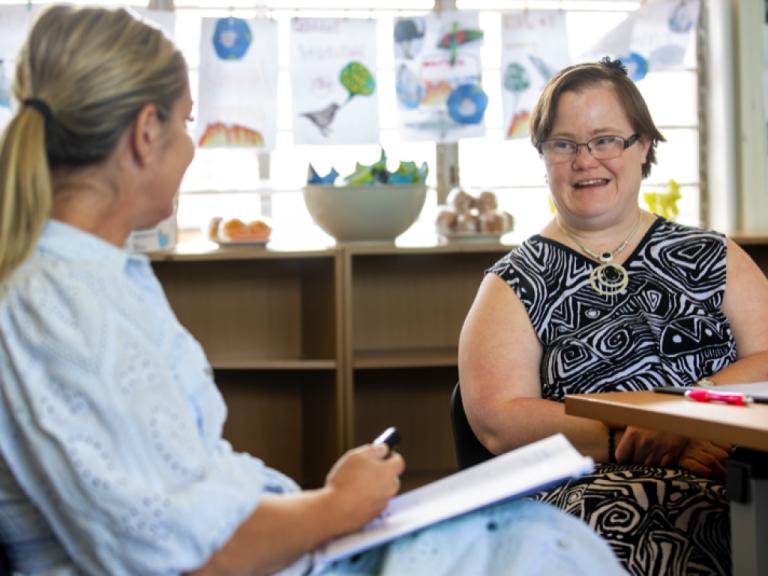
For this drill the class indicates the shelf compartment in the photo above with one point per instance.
(417, 402)
(249, 313)
(413, 301)
(290, 420)
(406, 358)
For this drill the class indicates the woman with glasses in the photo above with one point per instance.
(609, 297)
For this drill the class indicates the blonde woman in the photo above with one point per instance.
(111, 456)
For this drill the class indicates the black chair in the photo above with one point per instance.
(469, 450)
(5, 563)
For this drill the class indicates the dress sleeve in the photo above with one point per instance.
(123, 459)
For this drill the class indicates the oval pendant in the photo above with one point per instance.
(609, 279)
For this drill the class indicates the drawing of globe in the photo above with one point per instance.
(231, 38)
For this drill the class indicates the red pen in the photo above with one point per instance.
(708, 396)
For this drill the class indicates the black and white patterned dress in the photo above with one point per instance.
(665, 329)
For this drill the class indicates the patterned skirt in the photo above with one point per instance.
(659, 522)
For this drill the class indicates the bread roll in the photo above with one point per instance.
(466, 222)
(486, 202)
(461, 201)
(492, 222)
(446, 222)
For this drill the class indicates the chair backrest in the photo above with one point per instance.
(5, 563)
(469, 450)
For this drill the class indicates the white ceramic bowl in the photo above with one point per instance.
(376, 213)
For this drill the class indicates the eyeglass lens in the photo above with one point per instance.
(601, 148)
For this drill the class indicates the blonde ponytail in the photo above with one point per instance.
(88, 72)
(25, 188)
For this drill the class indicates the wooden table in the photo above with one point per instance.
(741, 425)
(745, 426)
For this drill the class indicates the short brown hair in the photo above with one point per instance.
(581, 76)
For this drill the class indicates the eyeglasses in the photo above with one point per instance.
(558, 150)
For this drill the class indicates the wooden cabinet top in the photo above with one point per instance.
(203, 250)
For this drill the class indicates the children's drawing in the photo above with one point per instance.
(231, 38)
(409, 89)
(456, 37)
(323, 118)
(637, 66)
(358, 81)
(409, 37)
(439, 90)
(233, 135)
(237, 101)
(662, 32)
(333, 81)
(534, 50)
(467, 104)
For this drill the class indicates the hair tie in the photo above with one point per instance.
(615, 64)
(41, 107)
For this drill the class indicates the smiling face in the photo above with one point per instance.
(589, 193)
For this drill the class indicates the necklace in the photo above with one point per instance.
(608, 278)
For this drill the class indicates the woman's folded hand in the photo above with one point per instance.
(650, 448)
(705, 458)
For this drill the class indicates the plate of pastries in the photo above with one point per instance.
(237, 232)
(468, 218)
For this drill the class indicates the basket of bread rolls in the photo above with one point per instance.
(473, 218)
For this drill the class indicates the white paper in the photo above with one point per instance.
(237, 99)
(534, 47)
(662, 32)
(333, 81)
(513, 474)
(755, 389)
(438, 74)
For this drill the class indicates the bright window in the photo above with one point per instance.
(221, 181)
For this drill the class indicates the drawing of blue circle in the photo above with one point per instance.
(231, 38)
(637, 66)
(467, 104)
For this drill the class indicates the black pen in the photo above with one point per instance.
(390, 437)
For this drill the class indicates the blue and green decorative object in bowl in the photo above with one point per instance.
(373, 205)
(232, 38)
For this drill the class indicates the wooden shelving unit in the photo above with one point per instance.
(317, 351)
(404, 309)
(270, 324)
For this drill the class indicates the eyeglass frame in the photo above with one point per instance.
(627, 143)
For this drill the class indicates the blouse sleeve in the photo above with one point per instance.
(111, 424)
